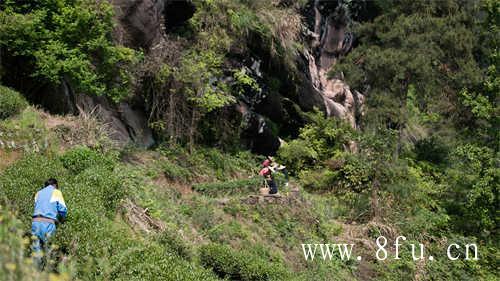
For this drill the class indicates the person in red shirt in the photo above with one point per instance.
(267, 173)
(275, 167)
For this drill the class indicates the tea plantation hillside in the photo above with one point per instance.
(168, 214)
(156, 117)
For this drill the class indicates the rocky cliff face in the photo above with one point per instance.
(145, 24)
(328, 40)
(140, 25)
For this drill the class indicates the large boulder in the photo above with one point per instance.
(142, 23)
(139, 22)
(126, 124)
(329, 39)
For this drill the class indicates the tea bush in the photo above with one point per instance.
(11, 102)
(81, 158)
(14, 265)
(151, 262)
(22, 180)
(240, 265)
(101, 245)
(175, 172)
(175, 244)
(229, 187)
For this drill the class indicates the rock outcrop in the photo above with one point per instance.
(329, 39)
(142, 22)
(127, 124)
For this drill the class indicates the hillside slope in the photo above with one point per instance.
(155, 117)
(140, 215)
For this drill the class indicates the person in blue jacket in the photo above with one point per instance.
(50, 209)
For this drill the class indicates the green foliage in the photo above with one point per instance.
(425, 63)
(244, 84)
(21, 181)
(229, 187)
(431, 48)
(175, 172)
(296, 155)
(151, 262)
(199, 72)
(68, 39)
(92, 238)
(318, 141)
(432, 150)
(479, 104)
(15, 265)
(11, 102)
(239, 265)
(174, 244)
(26, 132)
(232, 231)
(473, 189)
(183, 165)
(80, 158)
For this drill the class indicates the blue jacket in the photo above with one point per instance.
(49, 203)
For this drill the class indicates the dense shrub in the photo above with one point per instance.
(320, 140)
(175, 172)
(175, 244)
(472, 189)
(66, 40)
(14, 265)
(11, 102)
(229, 187)
(343, 174)
(319, 180)
(93, 239)
(22, 180)
(81, 158)
(240, 265)
(432, 150)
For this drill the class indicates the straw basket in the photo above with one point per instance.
(264, 191)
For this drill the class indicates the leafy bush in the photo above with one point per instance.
(343, 173)
(93, 239)
(11, 102)
(175, 244)
(228, 187)
(80, 158)
(14, 265)
(227, 232)
(151, 262)
(240, 265)
(67, 40)
(22, 180)
(432, 150)
(472, 189)
(175, 172)
(319, 180)
(296, 155)
(321, 139)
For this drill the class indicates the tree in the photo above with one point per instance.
(66, 39)
(429, 46)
